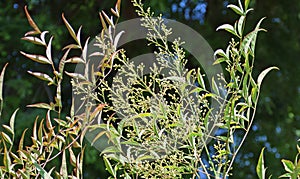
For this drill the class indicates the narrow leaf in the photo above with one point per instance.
(240, 25)
(260, 168)
(236, 9)
(32, 23)
(37, 58)
(1, 81)
(247, 4)
(48, 50)
(44, 174)
(12, 120)
(34, 40)
(76, 75)
(22, 140)
(41, 76)
(118, 6)
(70, 29)
(63, 168)
(62, 62)
(75, 60)
(228, 28)
(117, 38)
(108, 166)
(108, 20)
(263, 74)
(72, 157)
(102, 22)
(41, 105)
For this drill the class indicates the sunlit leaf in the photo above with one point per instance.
(6, 159)
(85, 50)
(63, 169)
(1, 87)
(102, 21)
(41, 105)
(72, 157)
(288, 165)
(76, 75)
(21, 142)
(240, 25)
(12, 120)
(260, 168)
(32, 24)
(263, 74)
(117, 38)
(37, 58)
(247, 4)
(108, 20)
(118, 7)
(44, 174)
(48, 50)
(34, 40)
(236, 9)
(41, 76)
(75, 60)
(70, 29)
(109, 167)
(228, 28)
(6, 138)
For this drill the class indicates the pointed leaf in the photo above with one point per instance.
(78, 36)
(76, 75)
(75, 60)
(44, 174)
(247, 4)
(108, 20)
(37, 58)
(70, 29)
(34, 40)
(72, 157)
(236, 9)
(108, 166)
(32, 23)
(12, 120)
(48, 50)
(288, 165)
(240, 25)
(1, 82)
(102, 21)
(63, 169)
(263, 74)
(41, 105)
(41, 76)
(62, 62)
(22, 140)
(228, 28)
(260, 168)
(117, 38)
(118, 7)
(85, 50)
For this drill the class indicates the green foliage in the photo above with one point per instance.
(292, 169)
(57, 137)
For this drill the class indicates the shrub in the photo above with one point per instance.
(163, 127)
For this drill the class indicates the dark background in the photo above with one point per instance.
(277, 123)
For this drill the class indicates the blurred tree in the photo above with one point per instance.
(277, 124)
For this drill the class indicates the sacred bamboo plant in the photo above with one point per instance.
(154, 125)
